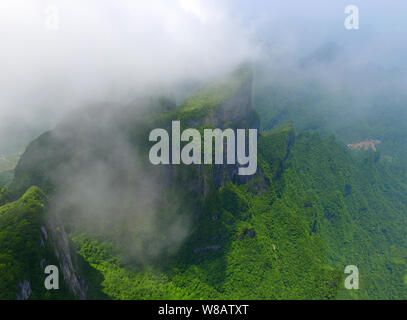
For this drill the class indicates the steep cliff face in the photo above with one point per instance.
(225, 103)
(30, 241)
(66, 256)
(233, 109)
(236, 112)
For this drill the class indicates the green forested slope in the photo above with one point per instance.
(24, 252)
(357, 207)
(321, 211)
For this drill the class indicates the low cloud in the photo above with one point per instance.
(59, 55)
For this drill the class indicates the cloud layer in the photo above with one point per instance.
(57, 55)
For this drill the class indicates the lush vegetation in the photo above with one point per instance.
(22, 249)
(313, 208)
(320, 211)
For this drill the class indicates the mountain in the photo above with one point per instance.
(120, 228)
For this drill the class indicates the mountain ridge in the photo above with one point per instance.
(201, 232)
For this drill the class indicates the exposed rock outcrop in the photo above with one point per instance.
(24, 290)
(67, 259)
(365, 145)
(235, 112)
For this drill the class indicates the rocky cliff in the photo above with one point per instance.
(29, 241)
(116, 139)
